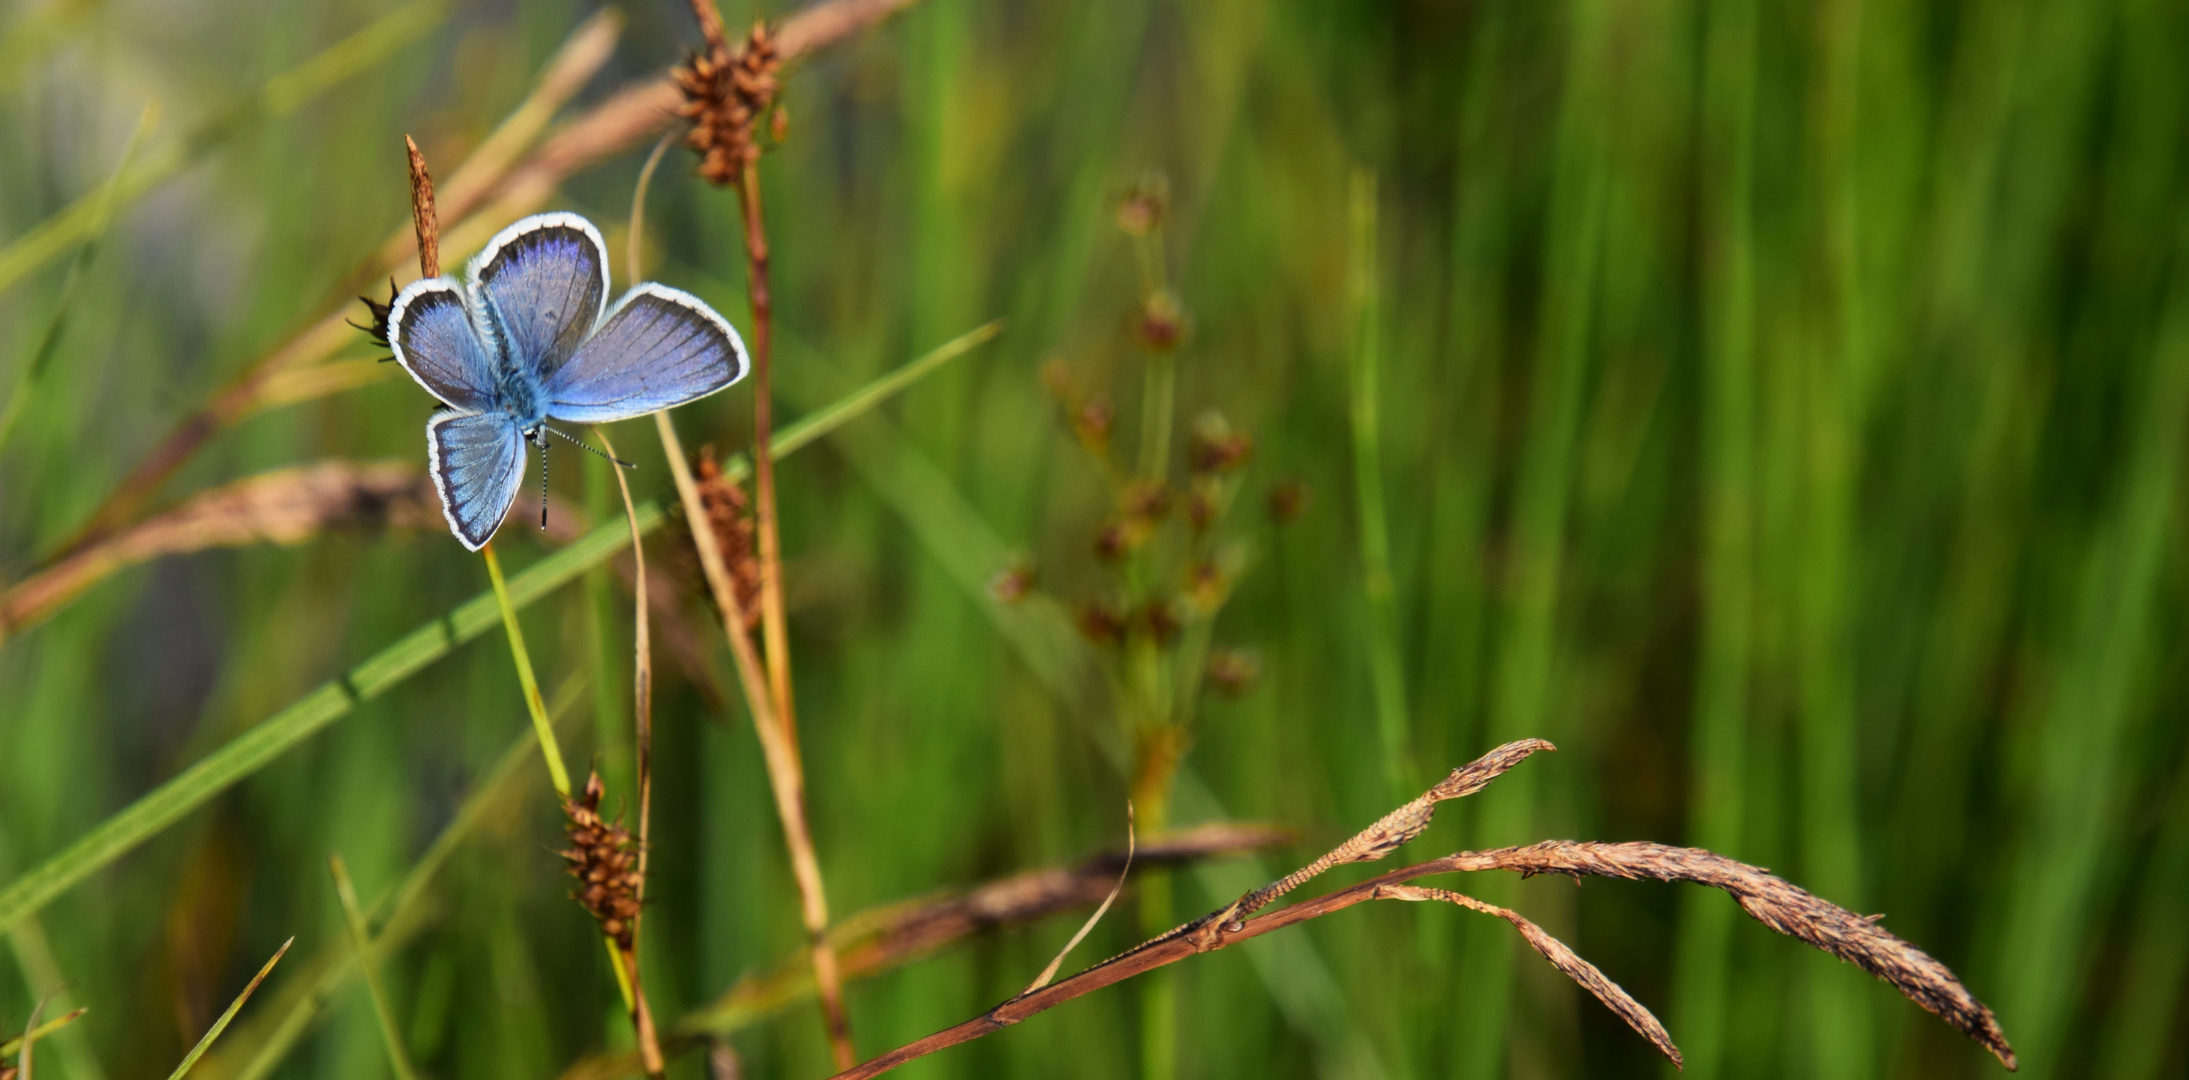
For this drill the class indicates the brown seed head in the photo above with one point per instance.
(1202, 505)
(1159, 620)
(1216, 448)
(1013, 583)
(1207, 585)
(725, 94)
(1160, 324)
(1093, 420)
(1287, 501)
(1100, 623)
(1142, 209)
(604, 859)
(729, 514)
(1234, 671)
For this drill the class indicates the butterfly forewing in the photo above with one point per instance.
(476, 462)
(432, 336)
(658, 349)
(543, 280)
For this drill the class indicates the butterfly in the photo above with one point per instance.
(528, 338)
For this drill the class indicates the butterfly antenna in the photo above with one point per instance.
(590, 446)
(543, 483)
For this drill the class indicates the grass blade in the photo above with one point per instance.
(1386, 675)
(235, 1006)
(280, 95)
(42, 1030)
(26, 380)
(252, 750)
(361, 940)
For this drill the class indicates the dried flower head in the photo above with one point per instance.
(604, 859)
(1159, 620)
(1160, 325)
(1216, 448)
(725, 94)
(1234, 671)
(1145, 204)
(1207, 585)
(1287, 501)
(1202, 505)
(1013, 583)
(1117, 539)
(729, 514)
(1146, 500)
(1093, 421)
(1100, 623)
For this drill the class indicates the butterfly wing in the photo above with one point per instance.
(431, 332)
(542, 282)
(476, 462)
(658, 349)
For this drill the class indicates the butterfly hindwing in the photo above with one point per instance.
(659, 348)
(476, 462)
(542, 282)
(431, 333)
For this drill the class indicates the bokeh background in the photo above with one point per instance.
(1780, 406)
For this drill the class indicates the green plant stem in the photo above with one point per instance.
(550, 748)
(361, 941)
(234, 1007)
(1385, 671)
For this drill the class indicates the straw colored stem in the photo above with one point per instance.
(785, 779)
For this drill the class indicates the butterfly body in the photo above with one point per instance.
(529, 338)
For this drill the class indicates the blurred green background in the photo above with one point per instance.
(1780, 406)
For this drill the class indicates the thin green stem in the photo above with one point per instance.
(1386, 673)
(550, 749)
(361, 940)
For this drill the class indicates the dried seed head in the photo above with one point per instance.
(1234, 671)
(1093, 420)
(725, 94)
(1207, 585)
(729, 514)
(604, 860)
(1013, 583)
(1202, 505)
(1216, 448)
(1056, 378)
(1287, 501)
(1160, 325)
(1146, 500)
(1142, 209)
(1159, 620)
(1100, 623)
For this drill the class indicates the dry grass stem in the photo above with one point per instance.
(878, 940)
(423, 218)
(1561, 957)
(1123, 872)
(786, 779)
(287, 506)
(1772, 901)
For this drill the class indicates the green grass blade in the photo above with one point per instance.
(280, 95)
(10, 1047)
(234, 1007)
(361, 942)
(1386, 674)
(252, 750)
(26, 380)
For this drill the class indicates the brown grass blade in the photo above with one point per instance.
(1561, 957)
(286, 506)
(1778, 904)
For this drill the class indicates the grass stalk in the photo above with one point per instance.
(550, 747)
(41, 357)
(642, 714)
(1386, 671)
(213, 1034)
(361, 943)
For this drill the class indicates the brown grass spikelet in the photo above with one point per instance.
(604, 859)
(726, 93)
(729, 514)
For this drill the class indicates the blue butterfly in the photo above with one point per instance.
(528, 341)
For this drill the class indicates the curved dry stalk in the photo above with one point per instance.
(1561, 957)
(1774, 902)
(286, 506)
